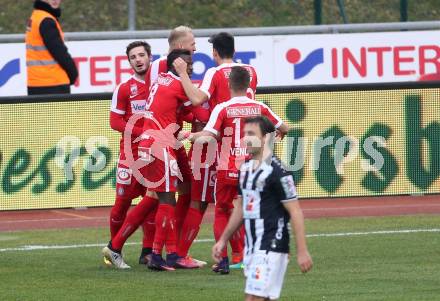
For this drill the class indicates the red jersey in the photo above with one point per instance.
(226, 123)
(129, 99)
(157, 67)
(166, 99)
(215, 83)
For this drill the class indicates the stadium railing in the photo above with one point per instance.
(242, 31)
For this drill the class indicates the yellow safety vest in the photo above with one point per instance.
(42, 69)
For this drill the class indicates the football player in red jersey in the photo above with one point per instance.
(181, 37)
(160, 172)
(225, 124)
(129, 98)
(213, 90)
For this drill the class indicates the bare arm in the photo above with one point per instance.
(201, 137)
(304, 259)
(196, 96)
(235, 221)
(283, 129)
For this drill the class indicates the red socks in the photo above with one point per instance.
(134, 219)
(183, 202)
(149, 227)
(189, 231)
(118, 214)
(221, 218)
(237, 242)
(165, 229)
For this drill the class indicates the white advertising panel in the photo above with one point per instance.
(279, 60)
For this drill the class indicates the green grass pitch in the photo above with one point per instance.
(360, 259)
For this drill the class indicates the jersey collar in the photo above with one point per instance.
(137, 79)
(241, 99)
(173, 75)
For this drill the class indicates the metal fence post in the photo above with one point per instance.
(403, 10)
(131, 14)
(318, 12)
(342, 11)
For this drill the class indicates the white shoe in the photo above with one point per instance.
(107, 262)
(115, 258)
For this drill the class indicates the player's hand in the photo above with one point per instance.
(279, 136)
(192, 137)
(217, 251)
(180, 65)
(182, 135)
(304, 261)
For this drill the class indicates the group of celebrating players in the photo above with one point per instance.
(230, 163)
(149, 109)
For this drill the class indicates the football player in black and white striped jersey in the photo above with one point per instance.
(267, 202)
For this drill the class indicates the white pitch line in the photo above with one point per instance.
(60, 247)
(373, 232)
(371, 207)
(51, 220)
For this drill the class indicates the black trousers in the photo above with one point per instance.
(62, 89)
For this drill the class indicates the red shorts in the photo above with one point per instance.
(127, 186)
(162, 173)
(226, 189)
(202, 185)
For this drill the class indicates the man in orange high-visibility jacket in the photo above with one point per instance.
(50, 68)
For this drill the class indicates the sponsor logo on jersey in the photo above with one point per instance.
(234, 112)
(138, 106)
(133, 90)
(226, 72)
(124, 176)
(164, 81)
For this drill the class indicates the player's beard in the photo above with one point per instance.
(141, 73)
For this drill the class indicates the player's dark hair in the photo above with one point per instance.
(239, 79)
(173, 55)
(135, 44)
(266, 126)
(223, 43)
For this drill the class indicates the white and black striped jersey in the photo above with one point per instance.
(264, 191)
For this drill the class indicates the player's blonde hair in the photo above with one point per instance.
(178, 33)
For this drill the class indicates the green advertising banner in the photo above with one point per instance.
(337, 137)
(346, 143)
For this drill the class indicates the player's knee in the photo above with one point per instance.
(222, 209)
(198, 205)
(184, 187)
(120, 207)
(168, 198)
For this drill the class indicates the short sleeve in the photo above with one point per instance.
(208, 83)
(119, 100)
(274, 118)
(215, 120)
(153, 72)
(285, 186)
